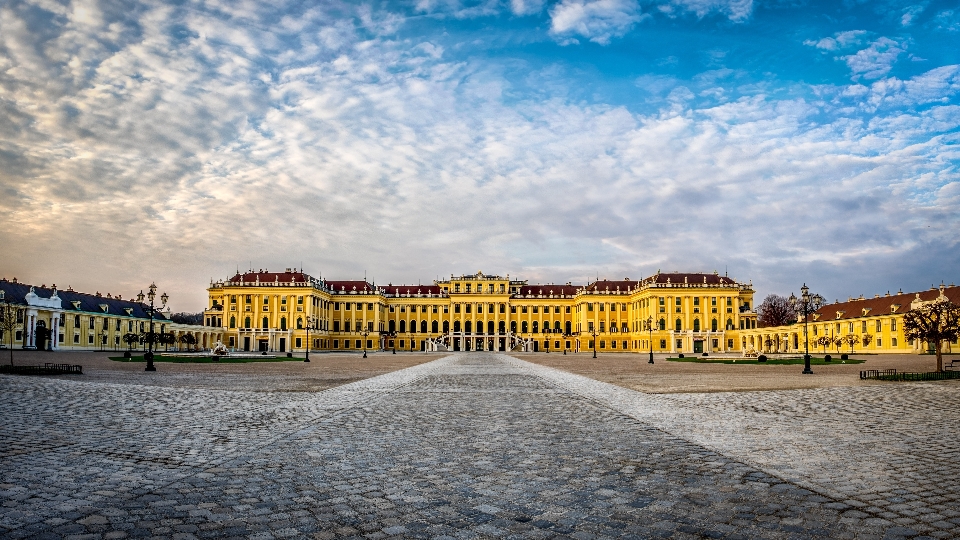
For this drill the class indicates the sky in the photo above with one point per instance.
(779, 141)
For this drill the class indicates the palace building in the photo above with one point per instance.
(51, 319)
(667, 312)
(873, 325)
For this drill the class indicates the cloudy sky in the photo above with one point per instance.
(783, 141)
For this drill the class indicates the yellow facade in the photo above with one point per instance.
(877, 320)
(275, 311)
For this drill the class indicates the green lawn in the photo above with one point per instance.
(203, 359)
(814, 361)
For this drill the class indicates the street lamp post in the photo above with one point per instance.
(594, 334)
(310, 323)
(151, 310)
(806, 305)
(649, 322)
(365, 333)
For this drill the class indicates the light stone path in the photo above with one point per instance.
(475, 445)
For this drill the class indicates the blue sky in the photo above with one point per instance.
(782, 141)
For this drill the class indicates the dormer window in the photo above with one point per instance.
(894, 308)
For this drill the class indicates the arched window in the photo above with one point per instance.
(662, 325)
(729, 324)
(523, 327)
(536, 326)
(299, 323)
(446, 326)
(613, 328)
(266, 323)
(435, 327)
(423, 326)
(678, 326)
(283, 323)
(513, 326)
(489, 327)
(413, 327)
(624, 329)
(567, 327)
(468, 326)
(696, 325)
(556, 325)
(713, 325)
(403, 326)
(456, 326)
(233, 322)
(503, 327)
(392, 326)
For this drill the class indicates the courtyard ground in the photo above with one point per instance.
(631, 370)
(472, 445)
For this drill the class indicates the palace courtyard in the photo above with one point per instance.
(471, 445)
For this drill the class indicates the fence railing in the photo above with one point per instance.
(894, 375)
(45, 369)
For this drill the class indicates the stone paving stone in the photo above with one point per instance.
(473, 445)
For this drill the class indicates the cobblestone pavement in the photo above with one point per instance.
(473, 445)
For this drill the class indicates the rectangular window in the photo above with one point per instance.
(713, 301)
(402, 342)
(894, 342)
(336, 306)
(696, 301)
(602, 326)
(489, 308)
(336, 344)
(468, 307)
(590, 306)
(729, 343)
(233, 299)
(613, 307)
(456, 308)
(893, 327)
(716, 343)
(601, 306)
(299, 302)
(536, 309)
(603, 344)
(91, 322)
(663, 344)
(863, 326)
(850, 328)
(567, 310)
(90, 339)
(590, 344)
(479, 308)
(523, 309)
(358, 344)
(678, 301)
(879, 342)
(299, 342)
(249, 299)
(613, 344)
(393, 309)
(879, 325)
(513, 309)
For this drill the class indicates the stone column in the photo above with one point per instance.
(55, 335)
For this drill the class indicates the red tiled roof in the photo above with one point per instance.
(611, 285)
(412, 290)
(271, 277)
(692, 278)
(547, 290)
(350, 286)
(853, 309)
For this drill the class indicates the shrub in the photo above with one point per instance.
(827, 358)
(762, 358)
(706, 354)
(680, 356)
(844, 356)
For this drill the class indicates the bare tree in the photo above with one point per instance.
(776, 310)
(8, 323)
(933, 323)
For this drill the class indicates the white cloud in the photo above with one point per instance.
(188, 154)
(597, 20)
(526, 7)
(735, 10)
(876, 60)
